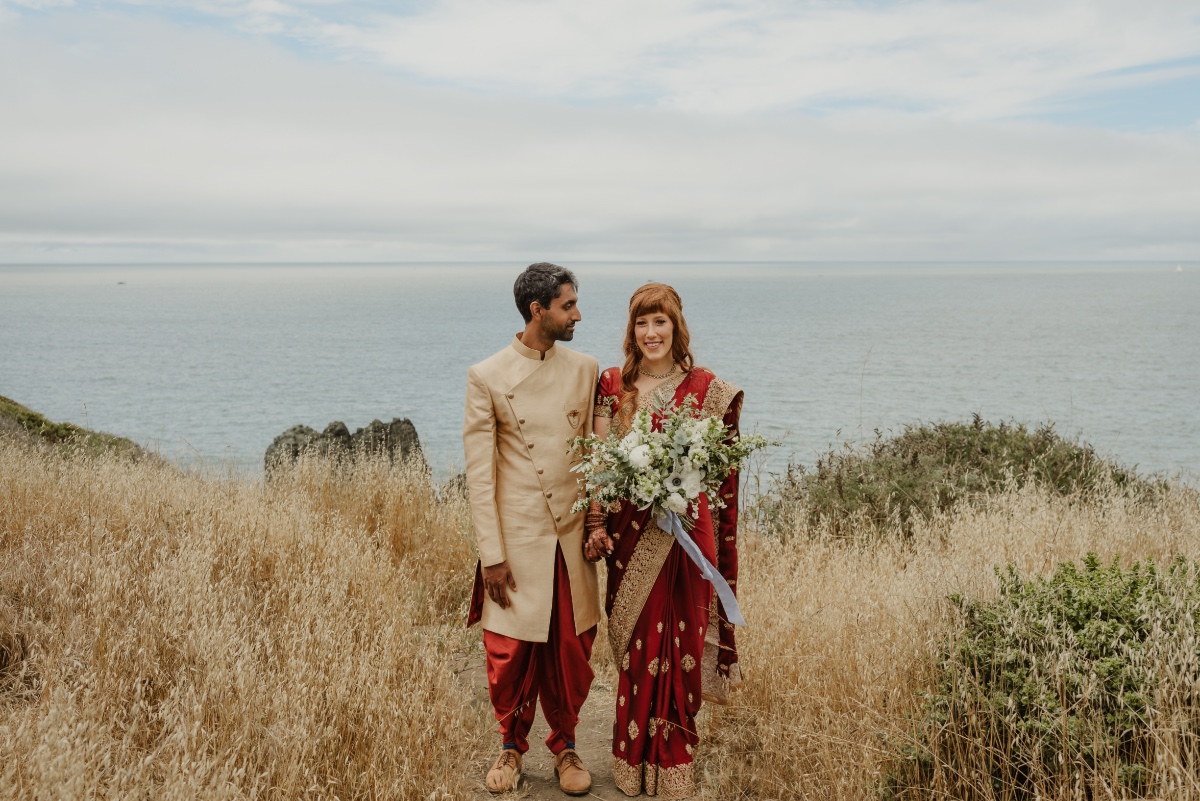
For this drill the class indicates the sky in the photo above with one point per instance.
(488, 130)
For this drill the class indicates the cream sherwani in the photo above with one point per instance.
(521, 409)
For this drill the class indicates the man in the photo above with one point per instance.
(534, 591)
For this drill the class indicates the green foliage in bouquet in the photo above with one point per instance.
(1055, 684)
(928, 468)
(664, 470)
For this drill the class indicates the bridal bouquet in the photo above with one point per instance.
(666, 470)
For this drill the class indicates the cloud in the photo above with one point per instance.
(986, 59)
(140, 139)
(977, 60)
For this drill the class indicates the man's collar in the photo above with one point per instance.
(530, 353)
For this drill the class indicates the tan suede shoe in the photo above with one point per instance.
(506, 773)
(573, 777)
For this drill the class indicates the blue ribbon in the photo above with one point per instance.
(671, 522)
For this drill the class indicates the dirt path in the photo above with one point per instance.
(593, 741)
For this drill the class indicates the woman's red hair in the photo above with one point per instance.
(652, 299)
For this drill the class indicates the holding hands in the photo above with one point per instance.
(597, 544)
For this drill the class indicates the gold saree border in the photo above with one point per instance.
(670, 783)
(717, 399)
(645, 563)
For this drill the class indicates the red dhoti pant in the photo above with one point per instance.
(557, 671)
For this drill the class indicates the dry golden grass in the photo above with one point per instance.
(173, 635)
(842, 640)
(169, 635)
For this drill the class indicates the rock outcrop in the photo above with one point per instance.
(397, 440)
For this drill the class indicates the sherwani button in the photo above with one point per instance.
(540, 471)
(558, 518)
(521, 421)
(531, 444)
(510, 396)
(549, 494)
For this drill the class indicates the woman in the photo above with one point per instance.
(668, 633)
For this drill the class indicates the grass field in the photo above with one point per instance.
(166, 634)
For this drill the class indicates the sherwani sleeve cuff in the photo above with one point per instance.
(491, 556)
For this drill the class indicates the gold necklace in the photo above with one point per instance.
(667, 374)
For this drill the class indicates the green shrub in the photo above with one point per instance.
(1062, 684)
(67, 436)
(928, 468)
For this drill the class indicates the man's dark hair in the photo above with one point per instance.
(541, 282)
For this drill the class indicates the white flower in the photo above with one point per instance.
(639, 456)
(665, 469)
(647, 491)
(693, 482)
(675, 503)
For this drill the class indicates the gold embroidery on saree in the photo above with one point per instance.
(668, 783)
(628, 778)
(646, 399)
(718, 397)
(605, 405)
(676, 782)
(664, 390)
(640, 574)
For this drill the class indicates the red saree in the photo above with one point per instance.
(667, 630)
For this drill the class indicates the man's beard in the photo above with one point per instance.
(564, 334)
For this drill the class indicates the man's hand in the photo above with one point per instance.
(497, 581)
(597, 545)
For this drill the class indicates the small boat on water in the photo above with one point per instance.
(1178, 268)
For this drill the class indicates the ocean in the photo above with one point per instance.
(208, 363)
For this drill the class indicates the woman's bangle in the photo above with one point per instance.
(597, 517)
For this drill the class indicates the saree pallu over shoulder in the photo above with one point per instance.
(720, 397)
